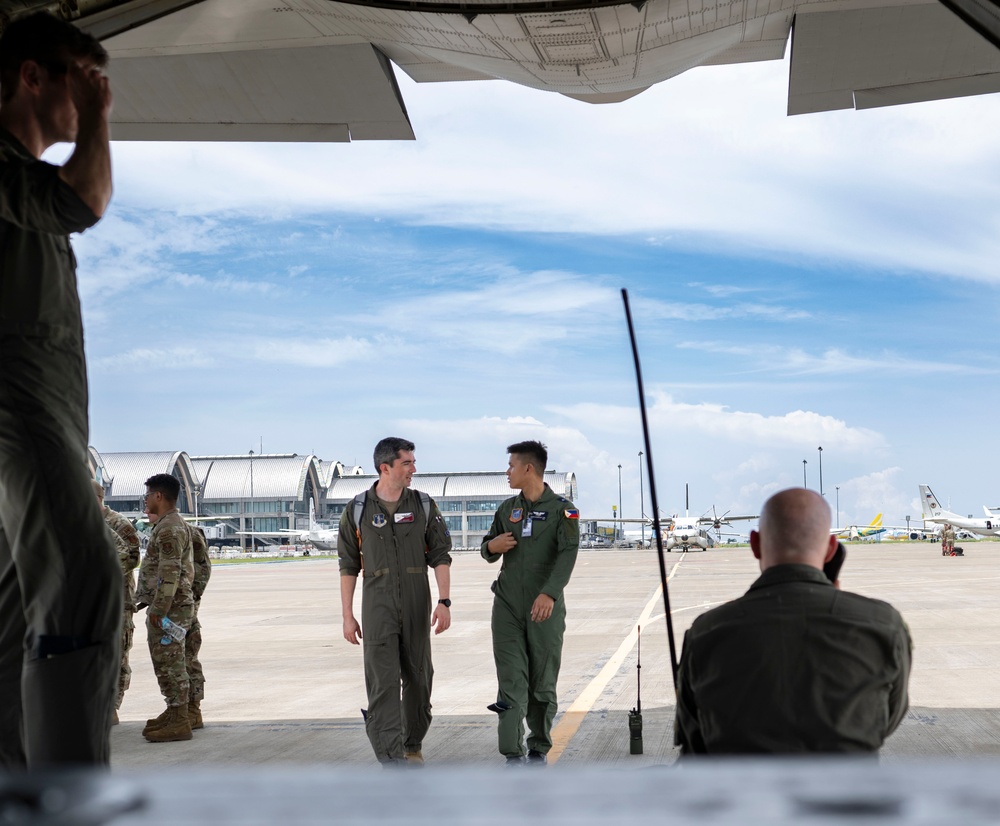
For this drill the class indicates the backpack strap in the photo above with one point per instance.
(357, 510)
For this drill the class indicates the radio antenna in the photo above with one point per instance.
(652, 489)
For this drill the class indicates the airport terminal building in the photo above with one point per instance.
(249, 500)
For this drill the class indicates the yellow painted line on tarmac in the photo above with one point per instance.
(573, 717)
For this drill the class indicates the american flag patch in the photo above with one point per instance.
(571, 513)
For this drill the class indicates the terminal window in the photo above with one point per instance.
(484, 506)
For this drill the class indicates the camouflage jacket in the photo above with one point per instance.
(166, 576)
(202, 563)
(127, 544)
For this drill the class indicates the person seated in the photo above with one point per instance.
(795, 665)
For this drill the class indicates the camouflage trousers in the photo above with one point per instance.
(125, 672)
(192, 645)
(169, 661)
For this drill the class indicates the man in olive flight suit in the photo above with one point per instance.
(60, 584)
(537, 534)
(166, 579)
(395, 537)
(795, 665)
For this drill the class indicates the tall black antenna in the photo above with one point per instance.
(652, 490)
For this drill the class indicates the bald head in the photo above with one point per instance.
(794, 528)
(98, 489)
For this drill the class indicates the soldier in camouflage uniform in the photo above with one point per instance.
(192, 642)
(127, 544)
(166, 580)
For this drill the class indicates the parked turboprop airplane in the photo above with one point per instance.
(319, 70)
(933, 512)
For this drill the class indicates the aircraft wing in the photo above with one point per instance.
(725, 518)
(319, 70)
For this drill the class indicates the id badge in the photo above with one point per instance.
(526, 530)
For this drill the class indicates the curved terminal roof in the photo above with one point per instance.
(328, 471)
(286, 476)
(275, 476)
(125, 474)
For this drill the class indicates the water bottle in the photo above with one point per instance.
(174, 633)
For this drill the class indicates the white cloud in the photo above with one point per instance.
(797, 428)
(153, 359)
(776, 358)
(912, 187)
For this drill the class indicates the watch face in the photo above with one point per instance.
(445, 602)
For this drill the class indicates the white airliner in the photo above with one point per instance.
(323, 539)
(320, 70)
(933, 512)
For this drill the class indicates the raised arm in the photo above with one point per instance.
(88, 170)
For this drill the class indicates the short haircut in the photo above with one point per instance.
(387, 451)
(49, 41)
(531, 452)
(98, 489)
(166, 484)
(795, 521)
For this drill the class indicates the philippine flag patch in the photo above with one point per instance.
(571, 513)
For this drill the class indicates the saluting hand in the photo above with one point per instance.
(90, 90)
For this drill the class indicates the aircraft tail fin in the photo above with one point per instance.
(930, 505)
(876, 522)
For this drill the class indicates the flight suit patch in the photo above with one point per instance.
(541, 516)
(379, 520)
(403, 517)
(571, 513)
(516, 515)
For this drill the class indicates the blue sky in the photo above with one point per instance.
(820, 280)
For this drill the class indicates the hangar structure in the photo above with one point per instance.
(237, 498)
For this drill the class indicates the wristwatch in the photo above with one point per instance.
(445, 602)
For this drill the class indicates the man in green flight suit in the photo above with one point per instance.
(392, 535)
(537, 534)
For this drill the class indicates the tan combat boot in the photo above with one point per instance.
(176, 727)
(194, 715)
(156, 722)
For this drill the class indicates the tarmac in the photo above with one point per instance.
(284, 689)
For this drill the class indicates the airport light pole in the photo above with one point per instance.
(804, 474)
(642, 504)
(621, 513)
(907, 527)
(821, 470)
(838, 506)
(253, 543)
